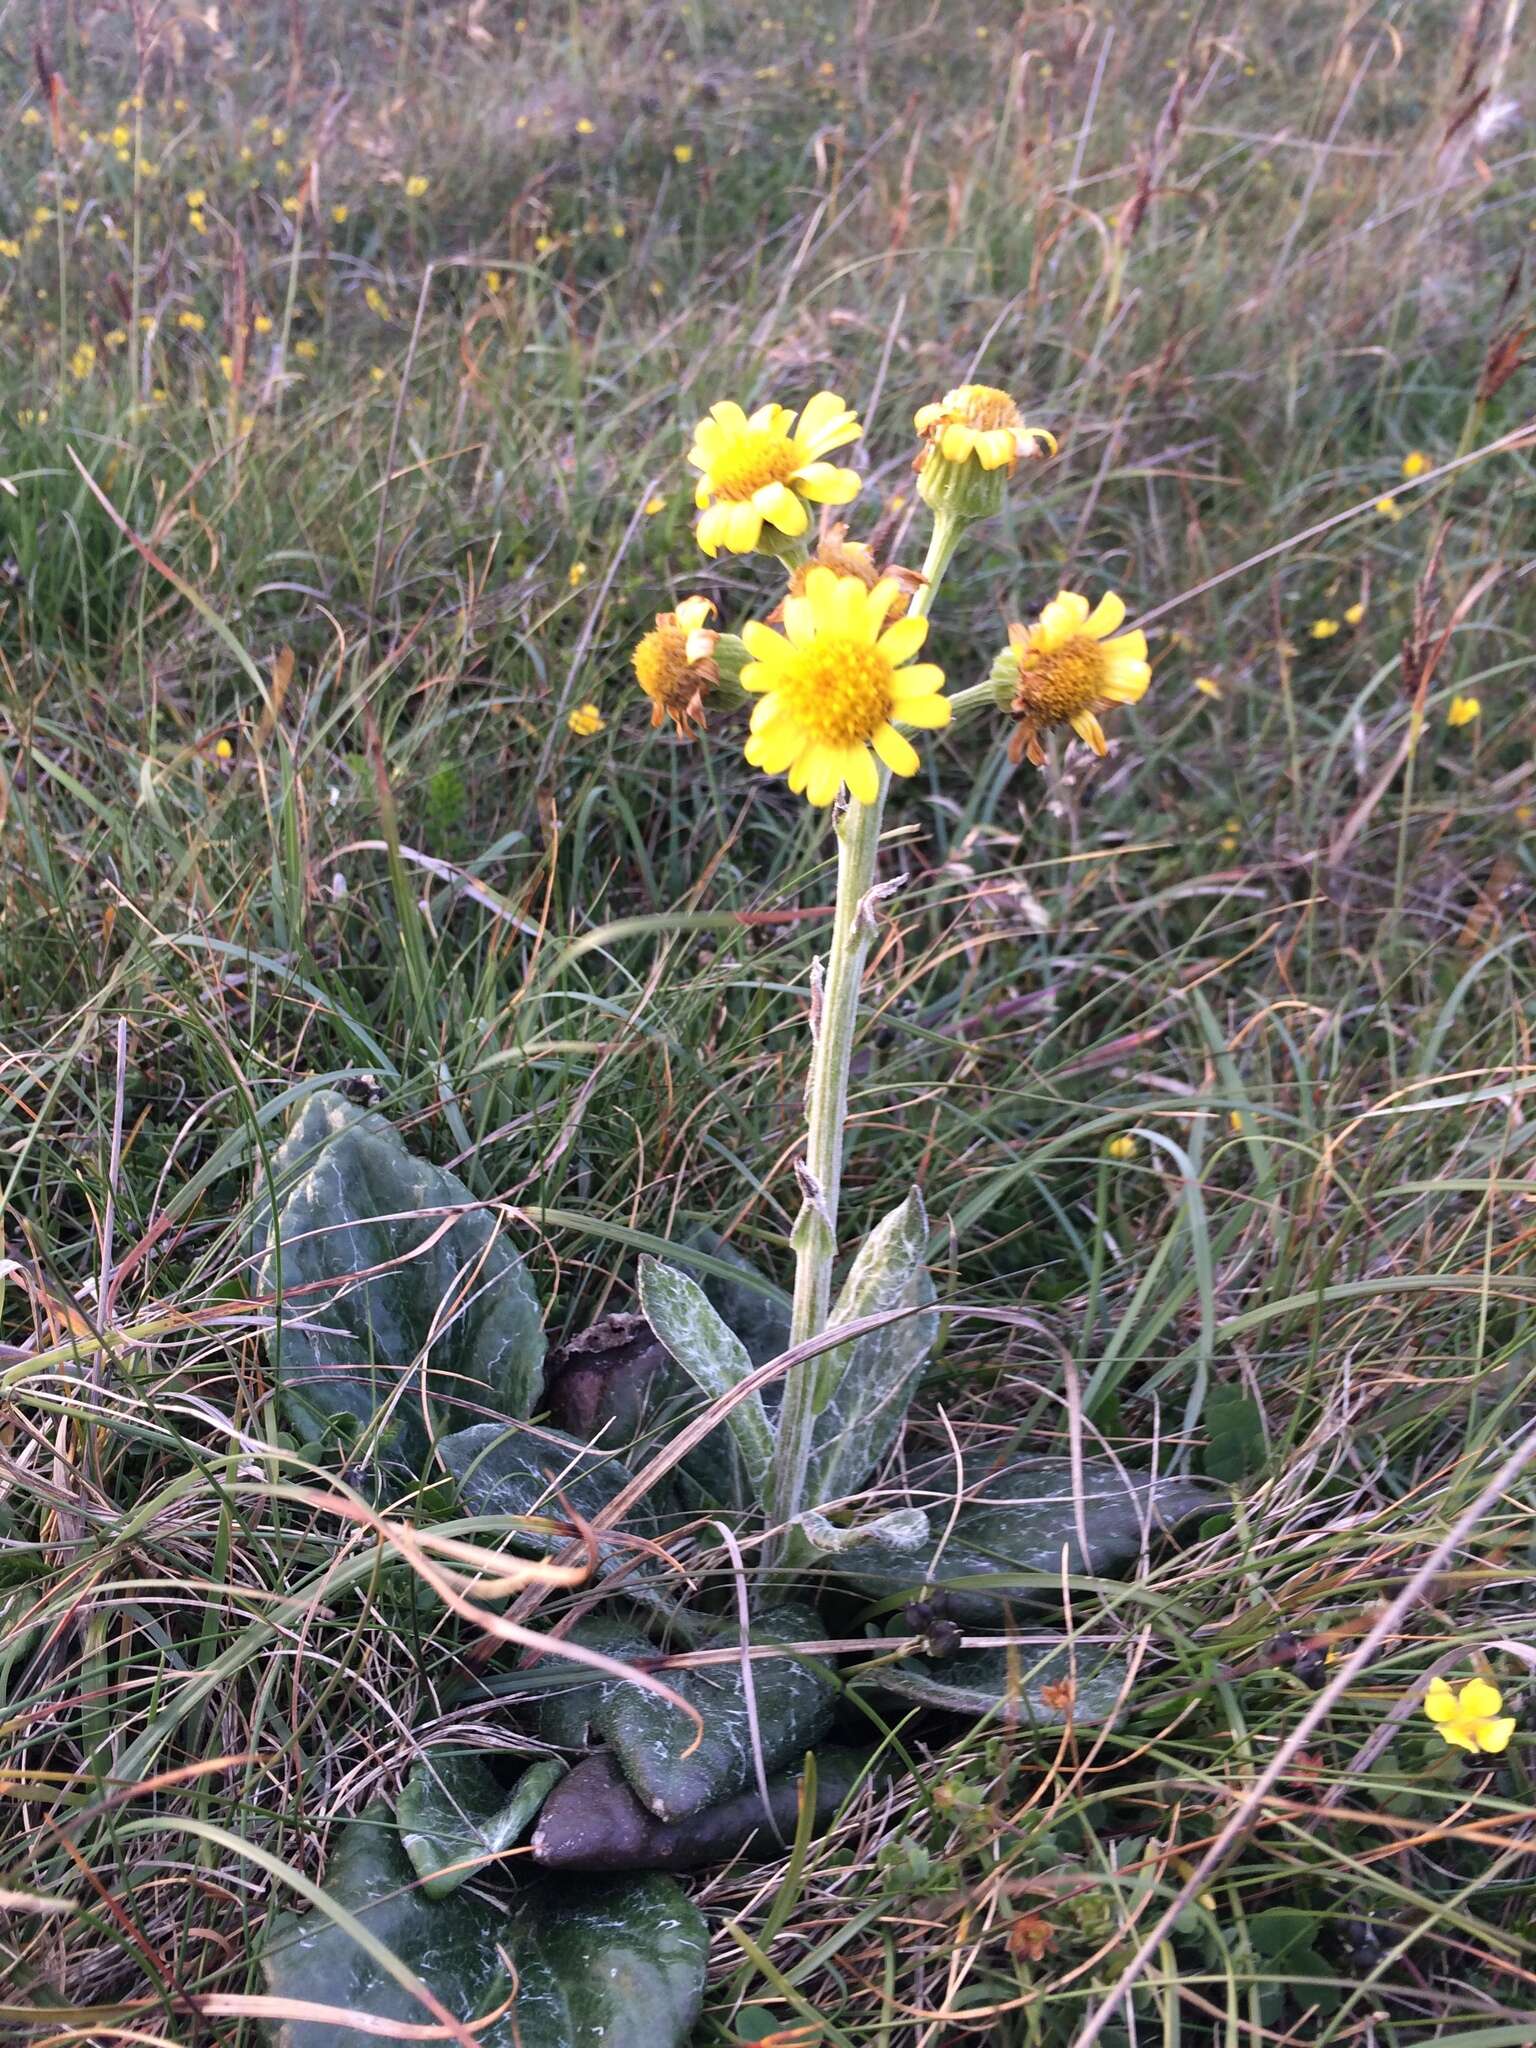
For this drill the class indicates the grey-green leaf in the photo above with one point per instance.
(454, 1813)
(865, 1387)
(516, 1469)
(592, 1821)
(715, 1359)
(1035, 1685)
(615, 1963)
(753, 1308)
(1005, 1543)
(388, 1302)
(794, 1703)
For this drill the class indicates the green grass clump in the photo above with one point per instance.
(261, 389)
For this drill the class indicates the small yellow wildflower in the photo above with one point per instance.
(618, 230)
(376, 302)
(1324, 629)
(493, 282)
(261, 123)
(31, 118)
(279, 137)
(262, 324)
(654, 505)
(979, 420)
(282, 167)
(227, 368)
(82, 362)
(1354, 614)
(122, 155)
(416, 187)
(1123, 1147)
(339, 215)
(224, 750)
(306, 350)
(1389, 508)
(1469, 1719)
(69, 206)
(198, 222)
(1208, 686)
(585, 127)
(42, 215)
(1463, 711)
(121, 136)
(10, 248)
(765, 469)
(674, 665)
(1071, 664)
(376, 372)
(28, 418)
(293, 203)
(1525, 814)
(1415, 462)
(179, 106)
(195, 198)
(683, 152)
(831, 689)
(194, 323)
(521, 121)
(576, 575)
(586, 721)
(145, 168)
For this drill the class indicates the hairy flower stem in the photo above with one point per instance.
(834, 1020)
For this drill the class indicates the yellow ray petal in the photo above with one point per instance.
(781, 508)
(922, 679)
(901, 640)
(927, 713)
(825, 484)
(761, 642)
(1107, 616)
(861, 774)
(1089, 730)
(896, 751)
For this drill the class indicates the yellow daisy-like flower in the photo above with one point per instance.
(980, 420)
(765, 469)
(1470, 1719)
(831, 684)
(586, 721)
(674, 665)
(1464, 710)
(1415, 462)
(1071, 664)
(1324, 629)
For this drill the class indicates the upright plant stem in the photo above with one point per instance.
(835, 1024)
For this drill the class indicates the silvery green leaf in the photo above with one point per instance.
(864, 1388)
(593, 1963)
(673, 1774)
(454, 1813)
(1015, 1525)
(1036, 1685)
(901, 1529)
(715, 1359)
(387, 1300)
(759, 1317)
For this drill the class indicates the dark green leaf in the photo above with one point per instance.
(517, 1469)
(388, 1303)
(1034, 1685)
(592, 1821)
(794, 1699)
(867, 1386)
(568, 1713)
(1015, 1524)
(1237, 1446)
(616, 1963)
(454, 1812)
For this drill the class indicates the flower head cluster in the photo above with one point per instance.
(830, 687)
(765, 469)
(1071, 664)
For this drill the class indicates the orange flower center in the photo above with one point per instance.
(1056, 686)
(986, 408)
(837, 690)
(661, 663)
(756, 457)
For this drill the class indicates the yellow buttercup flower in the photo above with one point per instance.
(1470, 1719)
(1354, 613)
(830, 686)
(1415, 462)
(765, 469)
(683, 152)
(1463, 710)
(1123, 1147)
(82, 362)
(417, 187)
(674, 665)
(1324, 629)
(1071, 664)
(585, 721)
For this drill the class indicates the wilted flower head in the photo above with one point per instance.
(833, 682)
(845, 557)
(764, 469)
(1067, 668)
(971, 439)
(674, 665)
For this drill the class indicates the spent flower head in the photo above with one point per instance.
(766, 468)
(1068, 666)
(1469, 1719)
(845, 557)
(972, 438)
(674, 665)
(832, 684)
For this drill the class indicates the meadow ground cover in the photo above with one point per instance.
(350, 360)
